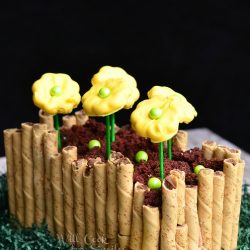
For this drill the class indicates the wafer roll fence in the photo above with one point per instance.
(96, 204)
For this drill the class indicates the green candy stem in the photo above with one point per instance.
(108, 142)
(161, 159)
(170, 149)
(112, 118)
(57, 127)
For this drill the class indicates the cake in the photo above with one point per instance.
(112, 187)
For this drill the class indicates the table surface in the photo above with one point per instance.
(196, 137)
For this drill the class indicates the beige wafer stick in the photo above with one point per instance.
(10, 169)
(28, 174)
(17, 155)
(220, 152)
(137, 220)
(100, 184)
(230, 170)
(123, 241)
(112, 204)
(39, 129)
(192, 220)
(233, 153)
(112, 244)
(238, 196)
(179, 177)
(68, 121)
(208, 148)
(169, 214)
(69, 154)
(78, 168)
(89, 204)
(181, 237)
(50, 148)
(181, 140)
(124, 184)
(57, 194)
(218, 196)
(47, 119)
(81, 117)
(205, 205)
(151, 228)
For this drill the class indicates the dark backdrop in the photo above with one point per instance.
(201, 51)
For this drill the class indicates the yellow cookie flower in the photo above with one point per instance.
(159, 116)
(56, 93)
(112, 90)
(153, 119)
(186, 112)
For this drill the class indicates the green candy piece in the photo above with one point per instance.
(94, 143)
(104, 92)
(154, 183)
(56, 91)
(141, 156)
(198, 168)
(155, 113)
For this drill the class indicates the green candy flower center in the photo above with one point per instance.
(56, 91)
(155, 113)
(104, 92)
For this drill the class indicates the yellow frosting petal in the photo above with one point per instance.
(113, 73)
(123, 92)
(175, 109)
(160, 91)
(186, 112)
(65, 102)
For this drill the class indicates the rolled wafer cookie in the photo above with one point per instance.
(28, 174)
(89, 204)
(81, 117)
(137, 217)
(179, 177)
(57, 194)
(112, 203)
(169, 214)
(68, 121)
(100, 184)
(78, 168)
(8, 144)
(205, 205)
(218, 196)
(17, 155)
(123, 242)
(236, 215)
(181, 237)
(230, 169)
(47, 119)
(69, 154)
(191, 215)
(39, 129)
(233, 153)
(220, 152)
(124, 184)
(180, 140)
(208, 148)
(151, 228)
(50, 148)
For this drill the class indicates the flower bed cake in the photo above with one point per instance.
(134, 187)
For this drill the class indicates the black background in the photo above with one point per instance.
(200, 50)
